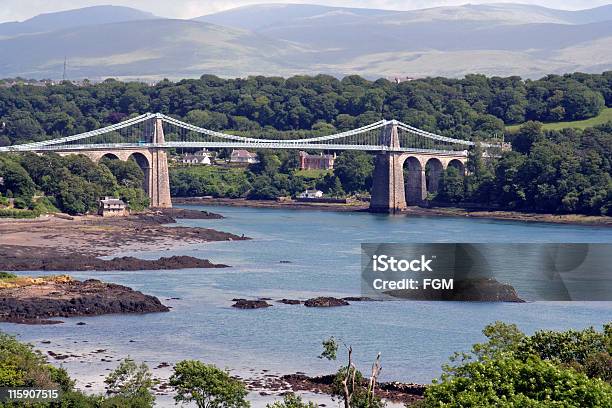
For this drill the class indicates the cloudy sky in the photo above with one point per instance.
(17, 10)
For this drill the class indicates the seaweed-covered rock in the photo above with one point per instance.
(325, 302)
(250, 304)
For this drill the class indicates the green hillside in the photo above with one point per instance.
(604, 117)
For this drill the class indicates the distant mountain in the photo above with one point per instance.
(73, 18)
(143, 48)
(282, 39)
(265, 16)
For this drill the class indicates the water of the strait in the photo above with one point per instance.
(323, 254)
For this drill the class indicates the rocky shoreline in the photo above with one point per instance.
(77, 243)
(67, 243)
(404, 393)
(292, 205)
(13, 259)
(572, 219)
(38, 300)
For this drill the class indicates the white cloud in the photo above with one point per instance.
(12, 10)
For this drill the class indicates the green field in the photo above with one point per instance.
(313, 174)
(604, 117)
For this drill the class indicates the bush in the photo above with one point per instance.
(568, 369)
(22, 366)
(337, 387)
(16, 213)
(21, 203)
(509, 382)
(132, 382)
(207, 386)
(7, 275)
(292, 400)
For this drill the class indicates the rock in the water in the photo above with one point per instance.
(471, 290)
(325, 302)
(290, 301)
(250, 304)
(35, 300)
(358, 299)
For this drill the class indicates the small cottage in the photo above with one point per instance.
(311, 194)
(201, 157)
(112, 207)
(243, 157)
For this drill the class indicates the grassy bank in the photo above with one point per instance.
(604, 117)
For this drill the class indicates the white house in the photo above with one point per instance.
(243, 156)
(199, 157)
(311, 194)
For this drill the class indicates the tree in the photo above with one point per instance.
(135, 198)
(509, 382)
(77, 196)
(511, 369)
(349, 382)
(22, 366)
(451, 188)
(331, 185)
(528, 134)
(268, 163)
(21, 127)
(15, 179)
(292, 400)
(132, 382)
(354, 169)
(207, 386)
(128, 173)
(82, 166)
(511, 192)
(262, 189)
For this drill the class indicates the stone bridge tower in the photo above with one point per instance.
(388, 194)
(159, 178)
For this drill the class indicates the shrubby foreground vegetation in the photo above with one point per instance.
(572, 368)
(548, 369)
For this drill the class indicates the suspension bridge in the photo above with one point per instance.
(147, 137)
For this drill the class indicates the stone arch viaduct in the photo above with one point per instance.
(404, 172)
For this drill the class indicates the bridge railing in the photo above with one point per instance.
(139, 132)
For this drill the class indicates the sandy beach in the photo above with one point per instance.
(95, 235)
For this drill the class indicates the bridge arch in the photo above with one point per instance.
(458, 164)
(414, 178)
(433, 172)
(110, 156)
(144, 162)
(141, 159)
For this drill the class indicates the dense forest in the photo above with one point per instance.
(72, 184)
(566, 171)
(557, 172)
(475, 106)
